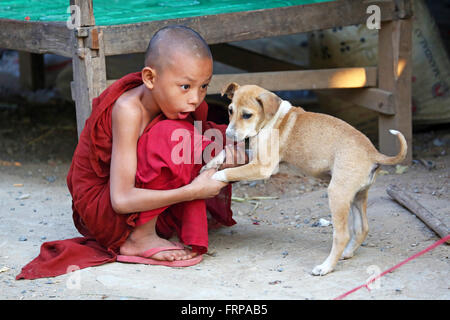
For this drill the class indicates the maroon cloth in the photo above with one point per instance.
(103, 229)
(158, 169)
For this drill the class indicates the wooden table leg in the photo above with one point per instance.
(89, 65)
(89, 80)
(32, 70)
(394, 75)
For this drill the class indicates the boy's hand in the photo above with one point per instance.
(204, 187)
(235, 156)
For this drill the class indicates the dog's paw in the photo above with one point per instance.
(215, 163)
(347, 255)
(321, 269)
(220, 176)
(210, 165)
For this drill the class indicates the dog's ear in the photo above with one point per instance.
(269, 102)
(229, 89)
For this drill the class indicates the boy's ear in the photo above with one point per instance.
(270, 103)
(148, 77)
(229, 89)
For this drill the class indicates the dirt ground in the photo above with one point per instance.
(268, 254)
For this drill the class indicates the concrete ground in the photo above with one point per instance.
(268, 254)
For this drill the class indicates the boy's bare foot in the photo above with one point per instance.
(138, 246)
(144, 237)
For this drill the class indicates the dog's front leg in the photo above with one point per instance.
(264, 155)
(250, 171)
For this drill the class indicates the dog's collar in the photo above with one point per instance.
(283, 109)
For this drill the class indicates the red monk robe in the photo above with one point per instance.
(103, 229)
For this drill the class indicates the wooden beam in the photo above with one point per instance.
(238, 26)
(32, 70)
(300, 80)
(36, 37)
(371, 98)
(426, 215)
(297, 80)
(55, 37)
(89, 63)
(394, 75)
(89, 75)
(86, 12)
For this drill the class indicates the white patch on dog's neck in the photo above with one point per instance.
(283, 109)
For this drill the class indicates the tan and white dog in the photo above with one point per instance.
(319, 145)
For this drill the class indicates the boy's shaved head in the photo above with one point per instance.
(174, 39)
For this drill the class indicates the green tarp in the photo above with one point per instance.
(110, 12)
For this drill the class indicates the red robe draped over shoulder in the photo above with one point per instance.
(103, 230)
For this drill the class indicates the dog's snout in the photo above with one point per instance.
(230, 132)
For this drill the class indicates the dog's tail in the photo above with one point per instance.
(390, 160)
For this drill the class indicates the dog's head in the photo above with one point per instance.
(250, 109)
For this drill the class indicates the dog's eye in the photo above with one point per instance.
(230, 111)
(246, 115)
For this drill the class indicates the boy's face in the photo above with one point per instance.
(181, 85)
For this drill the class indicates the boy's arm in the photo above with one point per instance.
(125, 197)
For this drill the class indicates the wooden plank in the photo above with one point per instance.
(89, 63)
(424, 214)
(86, 12)
(371, 98)
(93, 39)
(55, 37)
(89, 74)
(248, 60)
(300, 80)
(394, 72)
(43, 37)
(80, 91)
(36, 37)
(98, 74)
(238, 26)
(32, 70)
(297, 80)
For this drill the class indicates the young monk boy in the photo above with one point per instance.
(129, 196)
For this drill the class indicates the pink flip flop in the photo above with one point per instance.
(144, 258)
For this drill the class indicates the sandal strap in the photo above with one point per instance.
(153, 251)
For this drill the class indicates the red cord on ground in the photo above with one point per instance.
(434, 245)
